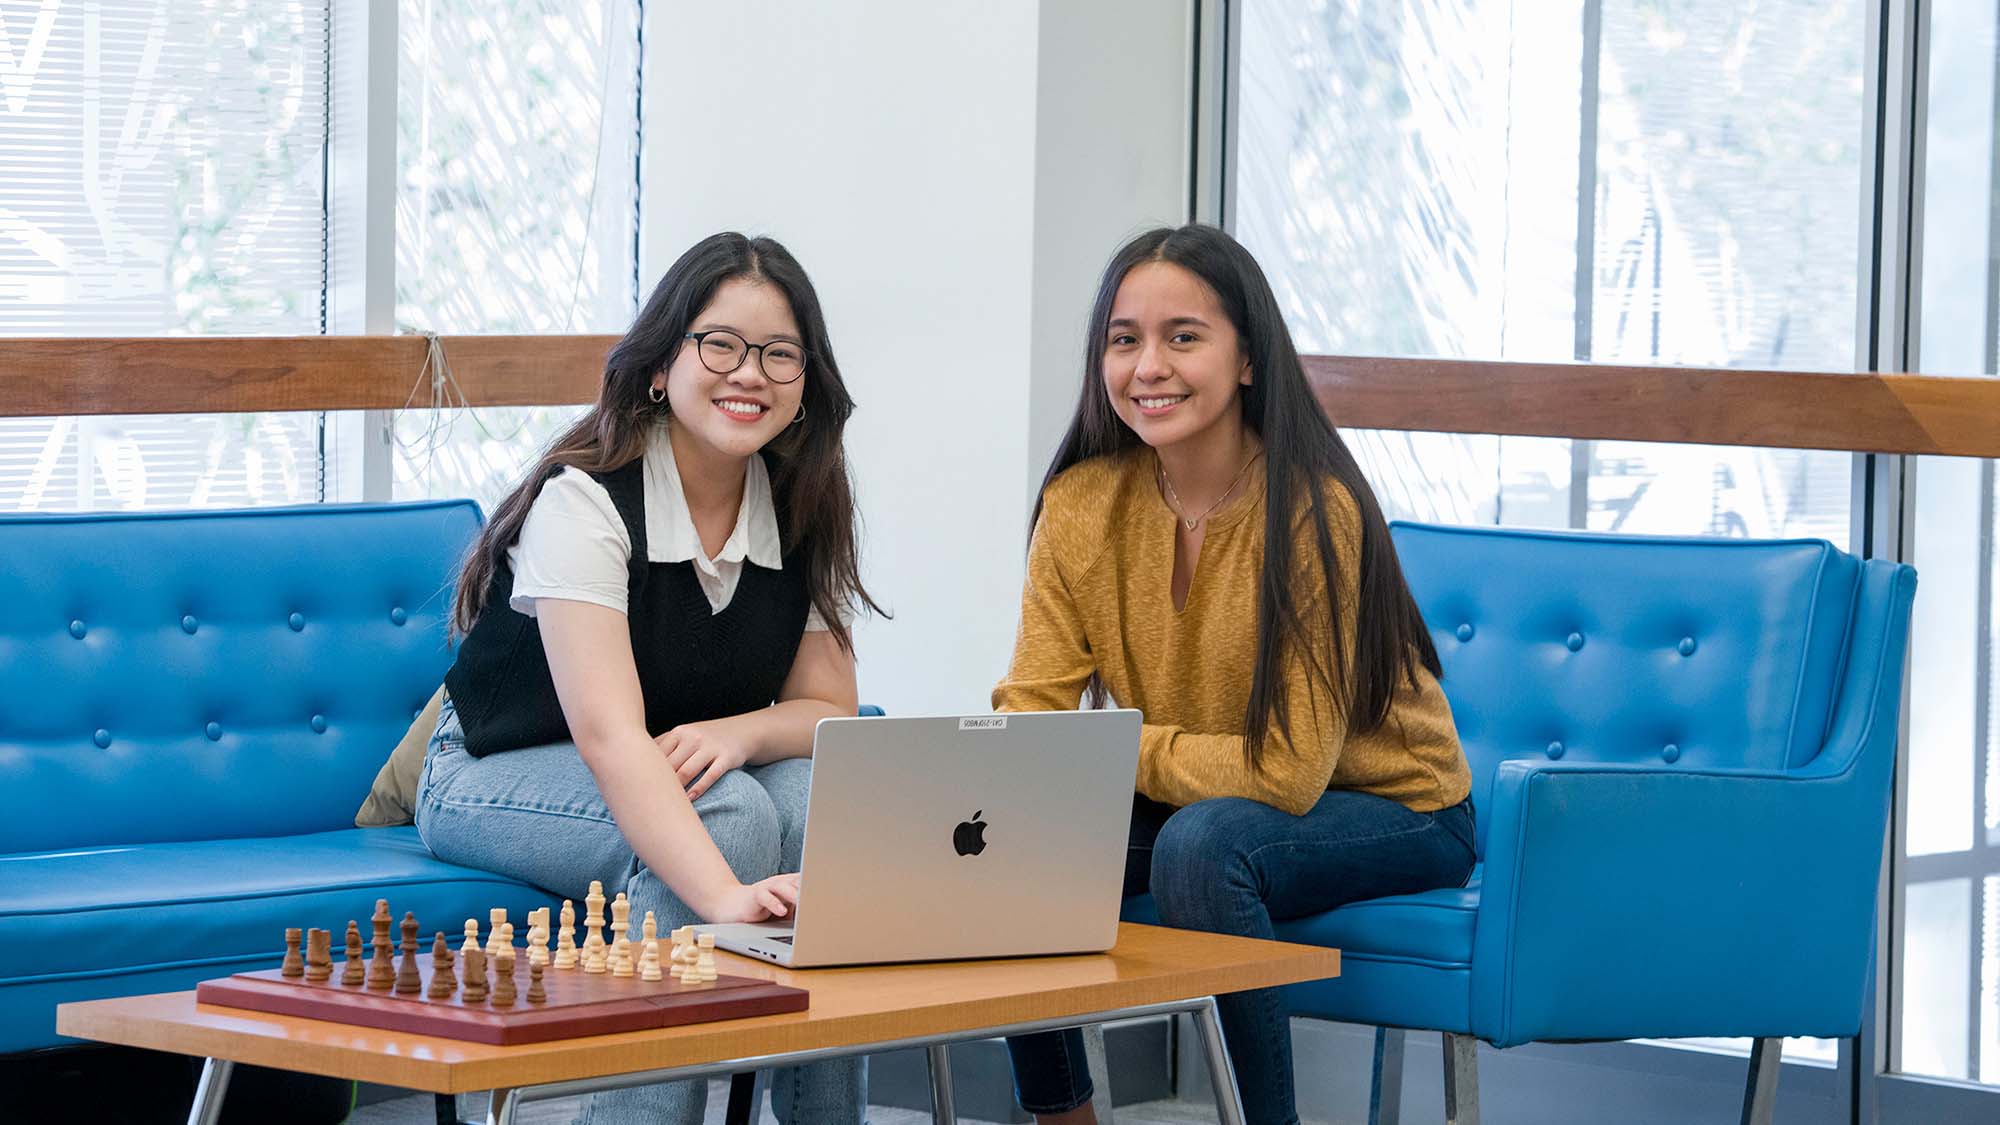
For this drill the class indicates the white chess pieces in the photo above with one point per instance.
(593, 929)
(685, 955)
(649, 959)
(705, 963)
(621, 946)
(496, 918)
(471, 935)
(565, 955)
(538, 936)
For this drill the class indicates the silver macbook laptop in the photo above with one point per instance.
(980, 836)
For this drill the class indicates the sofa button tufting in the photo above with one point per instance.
(1555, 750)
(297, 621)
(397, 615)
(1575, 642)
(77, 630)
(1465, 632)
(1671, 753)
(102, 738)
(189, 624)
(1686, 646)
(213, 731)
(319, 724)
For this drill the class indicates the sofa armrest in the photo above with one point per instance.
(1625, 901)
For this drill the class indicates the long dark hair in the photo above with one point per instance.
(1301, 450)
(809, 484)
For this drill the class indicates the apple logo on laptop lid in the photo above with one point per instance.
(969, 838)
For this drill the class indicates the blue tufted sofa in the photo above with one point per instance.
(192, 705)
(1682, 753)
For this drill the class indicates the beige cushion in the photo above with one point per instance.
(392, 800)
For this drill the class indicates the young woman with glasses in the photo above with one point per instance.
(1206, 550)
(654, 620)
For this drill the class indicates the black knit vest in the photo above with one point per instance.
(693, 664)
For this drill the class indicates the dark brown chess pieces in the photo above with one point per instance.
(382, 959)
(443, 981)
(503, 984)
(351, 971)
(319, 954)
(535, 993)
(475, 974)
(408, 979)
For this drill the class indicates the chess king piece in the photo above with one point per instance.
(593, 929)
(621, 947)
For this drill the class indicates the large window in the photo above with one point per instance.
(516, 206)
(1612, 181)
(1616, 181)
(161, 172)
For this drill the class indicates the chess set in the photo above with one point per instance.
(595, 987)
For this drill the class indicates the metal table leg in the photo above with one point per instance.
(1221, 1075)
(742, 1107)
(938, 1056)
(207, 1108)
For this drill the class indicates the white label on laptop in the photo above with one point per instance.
(984, 722)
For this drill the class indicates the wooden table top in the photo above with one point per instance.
(1149, 965)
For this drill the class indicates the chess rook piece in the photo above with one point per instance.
(503, 980)
(706, 964)
(475, 974)
(294, 965)
(444, 982)
(408, 978)
(381, 961)
(351, 972)
(319, 954)
(565, 956)
(535, 993)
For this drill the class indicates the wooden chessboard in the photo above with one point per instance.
(579, 1003)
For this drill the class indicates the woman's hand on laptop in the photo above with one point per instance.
(761, 901)
(699, 753)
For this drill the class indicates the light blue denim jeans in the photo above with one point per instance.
(535, 815)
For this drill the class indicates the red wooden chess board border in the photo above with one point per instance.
(579, 1003)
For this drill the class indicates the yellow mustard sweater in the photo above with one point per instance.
(1098, 599)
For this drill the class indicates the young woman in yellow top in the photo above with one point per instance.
(1297, 753)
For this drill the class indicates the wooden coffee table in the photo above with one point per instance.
(854, 1011)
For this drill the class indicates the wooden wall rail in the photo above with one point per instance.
(1872, 413)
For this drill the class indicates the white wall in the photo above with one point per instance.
(895, 148)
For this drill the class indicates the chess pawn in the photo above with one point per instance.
(475, 974)
(382, 960)
(496, 918)
(503, 983)
(351, 972)
(706, 964)
(408, 978)
(319, 954)
(565, 956)
(471, 935)
(443, 981)
(294, 965)
(535, 993)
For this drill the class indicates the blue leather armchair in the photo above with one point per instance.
(192, 705)
(1682, 754)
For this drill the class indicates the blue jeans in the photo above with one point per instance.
(535, 815)
(1232, 866)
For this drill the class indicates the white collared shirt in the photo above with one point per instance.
(574, 546)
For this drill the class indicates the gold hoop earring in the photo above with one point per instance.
(656, 393)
